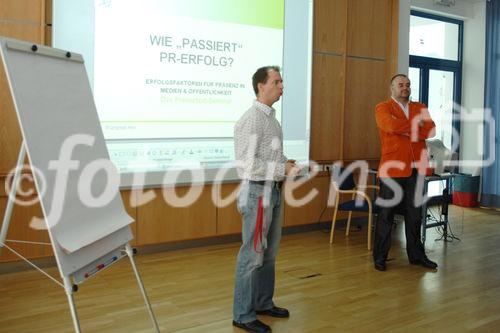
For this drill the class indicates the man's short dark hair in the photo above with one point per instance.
(261, 76)
(398, 75)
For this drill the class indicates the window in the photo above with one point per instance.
(433, 38)
(436, 72)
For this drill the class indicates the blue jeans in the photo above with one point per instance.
(254, 281)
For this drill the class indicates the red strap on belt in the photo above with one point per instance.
(258, 225)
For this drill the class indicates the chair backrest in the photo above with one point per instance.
(343, 178)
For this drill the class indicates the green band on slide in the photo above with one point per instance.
(264, 13)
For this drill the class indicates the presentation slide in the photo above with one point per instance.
(170, 78)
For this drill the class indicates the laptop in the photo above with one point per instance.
(441, 159)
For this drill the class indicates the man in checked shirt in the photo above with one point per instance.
(258, 141)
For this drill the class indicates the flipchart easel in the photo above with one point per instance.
(53, 102)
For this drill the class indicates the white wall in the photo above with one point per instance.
(403, 36)
(473, 13)
(471, 132)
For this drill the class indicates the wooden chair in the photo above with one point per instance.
(364, 204)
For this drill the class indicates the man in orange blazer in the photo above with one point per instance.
(403, 127)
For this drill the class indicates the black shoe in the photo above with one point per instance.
(275, 312)
(380, 265)
(425, 262)
(255, 326)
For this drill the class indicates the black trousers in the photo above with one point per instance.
(385, 220)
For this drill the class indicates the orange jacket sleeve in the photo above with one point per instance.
(428, 130)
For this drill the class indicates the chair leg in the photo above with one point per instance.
(334, 220)
(369, 231)
(348, 225)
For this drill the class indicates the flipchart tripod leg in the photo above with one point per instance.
(12, 195)
(130, 254)
(68, 288)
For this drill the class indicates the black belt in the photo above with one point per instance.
(278, 185)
